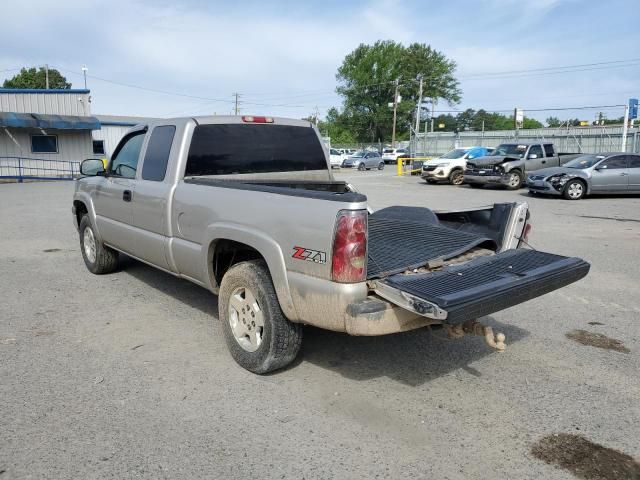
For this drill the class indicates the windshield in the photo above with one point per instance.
(510, 149)
(584, 161)
(388, 150)
(358, 154)
(457, 153)
(334, 152)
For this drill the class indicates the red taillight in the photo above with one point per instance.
(527, 230)
(349, 260)
(252, 119)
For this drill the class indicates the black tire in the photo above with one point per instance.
(475, 185)
(361, 167)
(456, 177)
(381, 166)
(515, 180)
(574, 190)
(281, 339)
(106, 259)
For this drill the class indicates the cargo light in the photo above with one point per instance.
(527, 231)
(349, 259)
(252, 119)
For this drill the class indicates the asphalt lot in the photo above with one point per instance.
(127, 375)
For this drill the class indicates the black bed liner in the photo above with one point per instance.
(396, 244)
(489, 284)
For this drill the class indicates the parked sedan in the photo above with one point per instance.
(364, 160)
(613, 173)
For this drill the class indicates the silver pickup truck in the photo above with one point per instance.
(247, 207)
(509, 163)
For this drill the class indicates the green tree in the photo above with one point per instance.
(553, 122)
(367, 83)
(32, 78)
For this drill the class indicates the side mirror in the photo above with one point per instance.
(92, 167)
(532, 156)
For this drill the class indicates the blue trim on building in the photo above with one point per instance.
(119, 124)
(57, 122)
(44, 90)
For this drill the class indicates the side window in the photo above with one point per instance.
(44, 144)
(548, 150)
(125, 159)
(615, 162)
(634, 161)
(535, 150)
(157, 156)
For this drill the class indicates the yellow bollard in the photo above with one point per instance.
(400, 167)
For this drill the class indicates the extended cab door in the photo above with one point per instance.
(113, 197)
(150, 204)
(611, 175)
(535, 158)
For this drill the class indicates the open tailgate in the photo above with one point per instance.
(481, 286)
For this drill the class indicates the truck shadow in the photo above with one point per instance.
(182, 290)
(412, 358)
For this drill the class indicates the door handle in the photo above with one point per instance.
(623, 174)
(544, 161)
(126, 195)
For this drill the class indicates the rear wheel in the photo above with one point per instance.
(515, 180)
(98, 258)
(574, 190)
(456, 177)
(259, 336)
(381, 166)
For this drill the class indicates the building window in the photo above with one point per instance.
(44, 144)
(98, 147)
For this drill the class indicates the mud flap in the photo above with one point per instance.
(481, 286)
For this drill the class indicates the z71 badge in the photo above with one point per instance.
(315, 256)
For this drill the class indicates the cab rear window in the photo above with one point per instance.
(238, 148)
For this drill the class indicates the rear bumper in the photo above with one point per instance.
(348, 307)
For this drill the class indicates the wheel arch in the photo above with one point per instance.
(228, 244)
(82, 204)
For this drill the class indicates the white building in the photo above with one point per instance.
(47, 133)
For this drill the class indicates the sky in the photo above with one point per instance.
(163, 59)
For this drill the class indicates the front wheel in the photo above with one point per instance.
(381, 166)
(515, 180)
(456, 177)
(98, 258)
(259, 336)
(361, 167)
(573, 190)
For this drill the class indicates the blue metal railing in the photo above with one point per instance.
(25, 168)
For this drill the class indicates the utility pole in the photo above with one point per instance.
(395, 108)
(46, 76)
(84, 72)
(625, 128)
(236, 95)
(419, 109)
